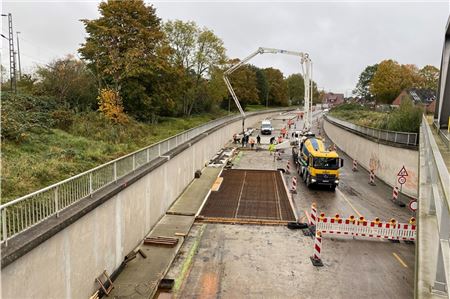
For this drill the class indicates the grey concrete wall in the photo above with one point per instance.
(386, 160)
(66, 265)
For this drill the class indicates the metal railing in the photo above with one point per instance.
(437, 200)
(25, 212)
(391, 136)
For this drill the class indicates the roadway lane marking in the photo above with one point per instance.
(349, 203)
(400, 260)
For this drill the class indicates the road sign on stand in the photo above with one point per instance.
(413, 205)
(402, 172)
(401, 180)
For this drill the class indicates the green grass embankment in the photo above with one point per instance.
(45, 158)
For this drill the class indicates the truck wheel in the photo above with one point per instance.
(308, 181)
(333, 188)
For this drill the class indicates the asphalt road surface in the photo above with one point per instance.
(243, 261)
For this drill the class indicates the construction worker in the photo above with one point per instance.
(258, 139)
(272, 149)
(280, 139)
(283, 132)
(252, 143)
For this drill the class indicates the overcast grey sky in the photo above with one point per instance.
(341, 37)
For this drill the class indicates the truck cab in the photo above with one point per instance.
(318, 166)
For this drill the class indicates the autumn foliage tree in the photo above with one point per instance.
(385, 81)
(126, 46)
(110, 104)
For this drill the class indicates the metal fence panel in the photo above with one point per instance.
(391, 136)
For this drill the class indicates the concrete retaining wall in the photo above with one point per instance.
(66, 265)
(386, 160)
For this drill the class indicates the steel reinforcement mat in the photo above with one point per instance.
(249, 194)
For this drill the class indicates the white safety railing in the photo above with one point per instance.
(438, 203)
(392, 136)
(24, 212)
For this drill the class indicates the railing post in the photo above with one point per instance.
(148, 154)
(134, 162)
(408, 138)
(56, 202)
(115, 171)
(90, 184)
(5, 233)
(159, 149)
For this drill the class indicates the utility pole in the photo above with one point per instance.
(12, 60)
(18, 55)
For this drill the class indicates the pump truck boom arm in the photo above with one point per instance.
(306, 69)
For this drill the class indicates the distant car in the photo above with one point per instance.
(266, 127)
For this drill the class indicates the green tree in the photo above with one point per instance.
(197, 52)
(68, 80)
(365, 78)
(261, 84)
(296, 89)
(126, 48)
(244, 84)
(430, 77)
(278, 95)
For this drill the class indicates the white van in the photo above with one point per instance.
(266, 127)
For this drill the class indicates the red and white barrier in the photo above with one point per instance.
(395, 194)
(370, 229)
(315, 258)
(294, 185)
(313, 215)
(288, 167)
(372, 177)
(355, 165)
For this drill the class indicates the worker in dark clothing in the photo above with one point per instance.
(272, 140)
(258, 140)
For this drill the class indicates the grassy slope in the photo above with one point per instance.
(361, 117)
(46, 158)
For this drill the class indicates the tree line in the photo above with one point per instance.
(132, 64)
(384, 81)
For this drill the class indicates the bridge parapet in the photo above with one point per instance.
(433, 246)
(401, 138)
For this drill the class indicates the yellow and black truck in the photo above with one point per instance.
(317, 164)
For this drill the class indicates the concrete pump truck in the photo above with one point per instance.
(318, 165)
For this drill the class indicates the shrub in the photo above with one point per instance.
(63, 119)
(22, 114)
(405, 119)
(110, 104)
